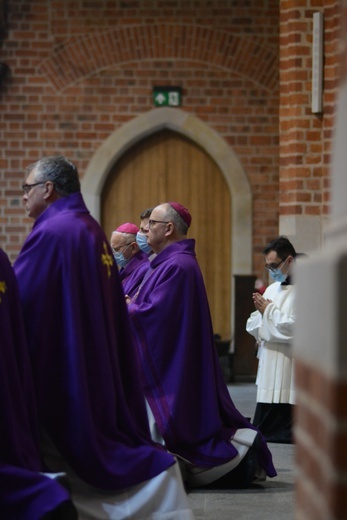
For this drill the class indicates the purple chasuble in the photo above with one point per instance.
(181, 375)
(133, 273)
(25, 494)
(84, 363)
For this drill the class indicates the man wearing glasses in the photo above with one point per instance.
(272, 326)
(189, 405)
(90, 405)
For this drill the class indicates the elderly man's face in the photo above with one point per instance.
(119, 243)
(33, 197)
(157, 228)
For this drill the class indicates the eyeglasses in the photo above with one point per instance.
(152, 222)
(117, 249)
(27, 187)
(273, 267)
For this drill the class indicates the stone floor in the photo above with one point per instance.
(270, 500)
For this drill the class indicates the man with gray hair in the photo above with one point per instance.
(132, 262)
(90, 406)
(189, 406)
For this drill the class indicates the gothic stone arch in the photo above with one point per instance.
(177, 120)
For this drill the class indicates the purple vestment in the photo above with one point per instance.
(84, 362)
(25, 494)
(133, 273)
(181, 374)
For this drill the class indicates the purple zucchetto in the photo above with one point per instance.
(127, 228)
(182, 211)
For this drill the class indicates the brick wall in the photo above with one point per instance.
(305, 172)
(79, 70)
(305, 138)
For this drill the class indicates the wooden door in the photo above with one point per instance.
(169, 167)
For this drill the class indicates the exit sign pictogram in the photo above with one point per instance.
(167, 96)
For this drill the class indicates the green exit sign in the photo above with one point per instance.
(167, 96)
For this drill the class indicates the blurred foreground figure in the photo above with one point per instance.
(26, 493)
(90, 403)
(190, 408)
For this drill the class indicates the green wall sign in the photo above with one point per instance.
(167, 96)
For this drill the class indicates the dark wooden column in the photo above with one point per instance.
(245, 362)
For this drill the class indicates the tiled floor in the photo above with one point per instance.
(271, 500)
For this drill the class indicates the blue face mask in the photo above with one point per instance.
(278, 276)
(141, 240)
(120, 260)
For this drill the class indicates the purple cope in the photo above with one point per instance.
(25, 493)
(84, 362)
(181, 375)
(132, 274)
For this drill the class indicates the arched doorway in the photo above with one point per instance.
(168, 166)
(118, 143)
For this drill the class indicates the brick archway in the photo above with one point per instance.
(81, 57)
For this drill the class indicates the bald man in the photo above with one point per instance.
(189, 405)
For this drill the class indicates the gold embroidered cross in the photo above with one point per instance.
(3, 288)
(107, 260)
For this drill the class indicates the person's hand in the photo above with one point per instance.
(260, 302)
(127, 299)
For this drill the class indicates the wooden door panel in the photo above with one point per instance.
(167, 166)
